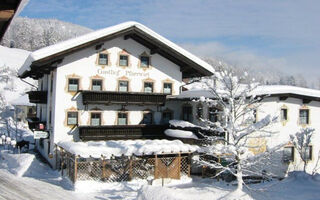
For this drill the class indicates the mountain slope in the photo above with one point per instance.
(32, 34)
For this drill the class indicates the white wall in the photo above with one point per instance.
(83, 64)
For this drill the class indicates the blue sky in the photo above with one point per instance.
(275, 34)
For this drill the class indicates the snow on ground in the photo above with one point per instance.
(180, 134)
(23, 176)
(125, 147)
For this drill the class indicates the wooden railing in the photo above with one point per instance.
(38, 96)
(122, 132)
(108, 97)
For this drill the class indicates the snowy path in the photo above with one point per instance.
(25, 188)
(12, 187)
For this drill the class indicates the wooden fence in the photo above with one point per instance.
(124, 168)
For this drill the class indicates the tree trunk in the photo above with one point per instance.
(239, 177)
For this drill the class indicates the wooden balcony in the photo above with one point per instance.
(122, 132)
(108, 97)
(38, 96)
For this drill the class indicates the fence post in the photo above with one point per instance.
(103, 163)
(62, 161)
(75, 168)
(130, 168)
(189, 164)
(156, 167)
(179, 166)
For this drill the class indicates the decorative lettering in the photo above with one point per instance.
(123, 73)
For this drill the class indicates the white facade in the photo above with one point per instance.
(281, 130)
(84, 66)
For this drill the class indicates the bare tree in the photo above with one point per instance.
(237, 106)
(302, 141)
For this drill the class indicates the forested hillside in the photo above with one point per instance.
(32, 34)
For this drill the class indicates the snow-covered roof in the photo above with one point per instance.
(103, 33)
(180, 134)
(272, 90)
(126, 147)
(22, 101)
(12, 57)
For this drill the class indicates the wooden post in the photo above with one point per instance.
(189, 164)
(56, 156)
(62, 161)
(75, 169)
(104, 172)
(130, 168)
(156, 167)
(179, 166)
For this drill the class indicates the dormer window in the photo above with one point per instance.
(73, 84)
(124, 60)
(148, 87)
(97, 85)
(103, 59)
(144, 61)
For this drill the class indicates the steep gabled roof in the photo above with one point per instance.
(44, 60)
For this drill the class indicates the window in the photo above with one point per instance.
(95, 119)
(147, 118)
(73, 85)
(97, 85)
(307, 153)
(200, 111)
(187, 113)
(254, 115)
(51, 83)
(103, 59)
(122, 118)
(284, 114)
(166, 117)
(304, 116)
(72, 118)
(148, 87)
(144, 61)
(288, 154)
(213, 114)
(167, 88)
(123, 86)
(123, 60)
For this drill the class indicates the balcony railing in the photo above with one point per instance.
(108, 97)
(38, 96)
(122, 132)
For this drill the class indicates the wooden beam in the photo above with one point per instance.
(128, 36)
(154, 51)
(5, 15)
(98, 46)
(283, 98)
(306, 101)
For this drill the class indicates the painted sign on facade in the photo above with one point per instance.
(40, 134)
